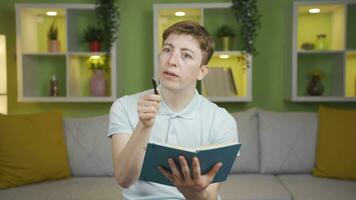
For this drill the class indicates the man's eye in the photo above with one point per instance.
(166, 50)
(185, 55)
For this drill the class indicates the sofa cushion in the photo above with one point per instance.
(77, 188)
(247, 127)
(88, 147)
(336, 149)
(308, 187)
(253, 187)
(288, 141)
(32, 149)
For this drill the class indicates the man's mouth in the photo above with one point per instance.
(171, 74)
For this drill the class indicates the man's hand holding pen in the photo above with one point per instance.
(148, 106)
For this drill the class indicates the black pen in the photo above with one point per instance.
(154, 86)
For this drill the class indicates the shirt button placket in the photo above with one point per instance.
(172, 135)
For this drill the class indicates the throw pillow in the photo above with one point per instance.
(336, 149)
(247, 128)
(288, 142)
(32, 149)
(89, 148)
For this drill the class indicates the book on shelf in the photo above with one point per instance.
(211, 83)
(157, 154)
(219, 82)
(231, 81)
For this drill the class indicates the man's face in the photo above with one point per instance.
(180, 62)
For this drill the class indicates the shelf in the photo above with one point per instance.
(332, 67)
(330, 21)
(325, 99)
(44, 54)
(69, 100)
(235, 67)
(37, 23)
(79, 77)
(38, 71)
(229, 99)
(232, 53)
(336, 62)
(79, 20)
(87, 53)
(36, 64)
(350, 80)
(319, 52)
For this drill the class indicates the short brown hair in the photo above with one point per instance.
(198, 32)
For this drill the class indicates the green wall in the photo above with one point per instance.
(135, 57)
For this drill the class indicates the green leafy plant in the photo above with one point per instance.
(53, 31)
(93, 34)
(108, 16)
(316, 73)
(246, 13)
(98, 63)
(225, 31)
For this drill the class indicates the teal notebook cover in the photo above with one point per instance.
(158, 154)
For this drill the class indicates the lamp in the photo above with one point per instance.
(51, 13)
(3, 80)
(314, 10)
(179, 14)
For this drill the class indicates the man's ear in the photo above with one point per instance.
(203, 71)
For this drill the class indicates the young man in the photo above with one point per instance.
(178, 115)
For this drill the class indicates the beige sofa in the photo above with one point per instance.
(275, 163)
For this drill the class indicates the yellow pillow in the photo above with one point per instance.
(336, 149)
(32, 149)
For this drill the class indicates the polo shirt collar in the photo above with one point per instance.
(187, 113)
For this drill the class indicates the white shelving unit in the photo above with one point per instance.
(212, 16)
(337, 61)
(36, 64)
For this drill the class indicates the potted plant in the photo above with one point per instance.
(225, 33)
(98, 83)
(93, 35)
(53, 44)
(107, 15)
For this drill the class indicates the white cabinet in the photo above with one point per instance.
(37, 62)
(324, 46)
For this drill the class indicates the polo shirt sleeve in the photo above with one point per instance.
(118, 118)
(225, 129)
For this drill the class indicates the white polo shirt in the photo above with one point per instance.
(200, 123)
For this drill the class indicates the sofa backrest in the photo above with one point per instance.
(247, 128)
(272, 143)
(275, 142)
(287, 141)
(89, 150)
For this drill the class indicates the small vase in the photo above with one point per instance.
(320, 43)
(53, 45)
(94, 46)
(226, 43)
(315, 87)
(98, 83)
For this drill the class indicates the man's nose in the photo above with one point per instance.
(172, 60)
